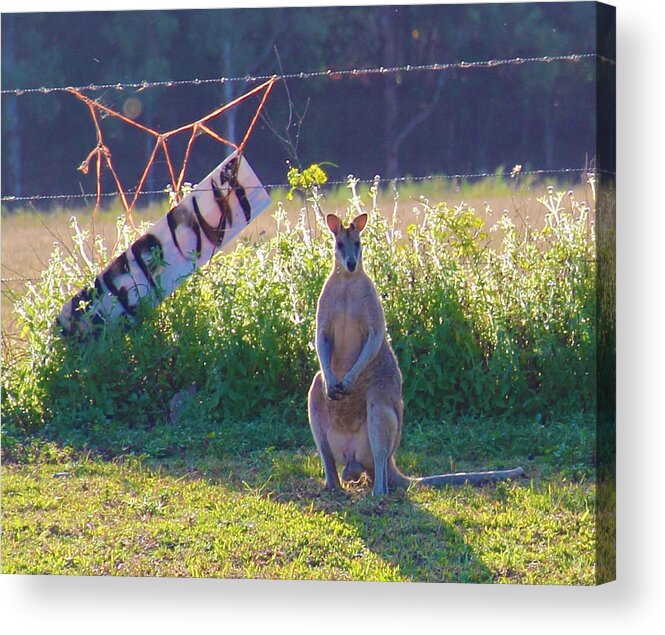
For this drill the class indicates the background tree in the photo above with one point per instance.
(393, 124)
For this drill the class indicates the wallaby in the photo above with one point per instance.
(355, 401)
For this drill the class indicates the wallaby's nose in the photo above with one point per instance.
(351, 265)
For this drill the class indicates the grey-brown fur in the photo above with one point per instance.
(355, 401)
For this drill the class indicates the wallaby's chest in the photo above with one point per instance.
(348, 316)
(348, 310)
(347, 313)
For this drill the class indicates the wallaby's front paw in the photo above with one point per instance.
(333, 391)
(345, 387)
(338, 391)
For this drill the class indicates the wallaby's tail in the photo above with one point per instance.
(475, 478)
(397, 479)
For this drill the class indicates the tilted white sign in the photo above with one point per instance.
(183, 240)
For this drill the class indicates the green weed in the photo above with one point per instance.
(481, 326)
(181, 446)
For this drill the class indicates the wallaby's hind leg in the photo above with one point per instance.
(383, 432)
(395, 477)
(319, 421)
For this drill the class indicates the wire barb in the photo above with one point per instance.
(286, 186)
(330, 73)
(102, 154)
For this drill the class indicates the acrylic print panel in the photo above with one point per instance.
(407, 377)
(161, 259)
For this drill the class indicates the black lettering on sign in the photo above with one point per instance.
(119, 267)
(182, 216)
(211, 233)
(80, 307)
(229, 174)
(148, 245)
(99, 288)
(225, 215)
(97, 319)
(81, 302)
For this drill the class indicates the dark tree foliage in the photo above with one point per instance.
(408, 123)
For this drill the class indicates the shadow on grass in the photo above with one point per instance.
(402, 532)
(273, 457)
(397, 529)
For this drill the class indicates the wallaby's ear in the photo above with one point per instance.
(334, 224)
(359, 222)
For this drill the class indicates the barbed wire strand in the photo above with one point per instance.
(103, 157)
(330, 73)
(400, 179)
(286, 186)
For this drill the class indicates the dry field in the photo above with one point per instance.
(28, 236)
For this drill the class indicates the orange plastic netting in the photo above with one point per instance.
(101, 153)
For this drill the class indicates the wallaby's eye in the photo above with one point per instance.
(357, 243)
(340, 245)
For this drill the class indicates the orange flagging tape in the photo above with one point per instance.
(102, 155)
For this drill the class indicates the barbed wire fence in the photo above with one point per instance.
(332, 74)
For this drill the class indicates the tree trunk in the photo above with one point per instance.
(549, 134)
(391, 118)
(11, 116)
(149, 146)
(227, 88)
(524, 132)
(483, 119)
(14, 143)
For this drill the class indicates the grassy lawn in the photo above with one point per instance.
(265, 515)
(492, 318)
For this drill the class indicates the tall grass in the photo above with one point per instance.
(485, 318)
